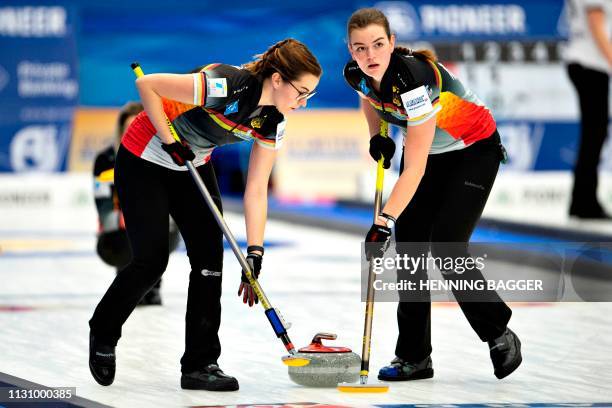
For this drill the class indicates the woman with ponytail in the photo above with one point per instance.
(451, 155)
(217, 105)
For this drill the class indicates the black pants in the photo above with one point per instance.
(148, 193)
(446, 207)
(592, 88)
(113, 247)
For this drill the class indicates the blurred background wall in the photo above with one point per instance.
(64, 71)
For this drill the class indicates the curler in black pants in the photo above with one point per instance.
(148, 193)
(446, 208)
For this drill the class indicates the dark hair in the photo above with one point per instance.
(129, 109)
(368, 16)
(290, 58)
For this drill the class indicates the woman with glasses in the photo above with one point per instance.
(218, 105)
(450, 158)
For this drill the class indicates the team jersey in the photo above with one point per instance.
(224, 110)
(413, 90)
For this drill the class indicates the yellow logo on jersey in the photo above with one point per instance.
(257, 122)
(396, 99)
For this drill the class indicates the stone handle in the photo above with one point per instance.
(327, 336)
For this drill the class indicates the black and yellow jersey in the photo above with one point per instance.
(224, 110)
(414, 90)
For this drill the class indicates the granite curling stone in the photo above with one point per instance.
(328, 366)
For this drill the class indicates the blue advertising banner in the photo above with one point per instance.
(38, 85)
(539, 145)
(176, 39)
(503, 44)
(493, 20)
(533, 145)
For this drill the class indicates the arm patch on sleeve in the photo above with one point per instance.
(280, 133)
(216, 87)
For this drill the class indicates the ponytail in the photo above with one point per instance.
(290, 58)
(421, 53)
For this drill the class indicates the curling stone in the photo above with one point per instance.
(328, 366)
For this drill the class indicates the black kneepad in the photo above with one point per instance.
(114, 248)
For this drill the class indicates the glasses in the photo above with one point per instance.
(302, 96)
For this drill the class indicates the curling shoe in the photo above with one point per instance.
(400, 370)
(211, 378)
(101, 361)
(505, 353)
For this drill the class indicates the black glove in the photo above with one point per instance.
(180, 152)
(382, 145)
(377, 241)
(254, 260)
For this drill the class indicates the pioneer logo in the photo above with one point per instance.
(431, 19)
(473, 19)
(31, 21)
